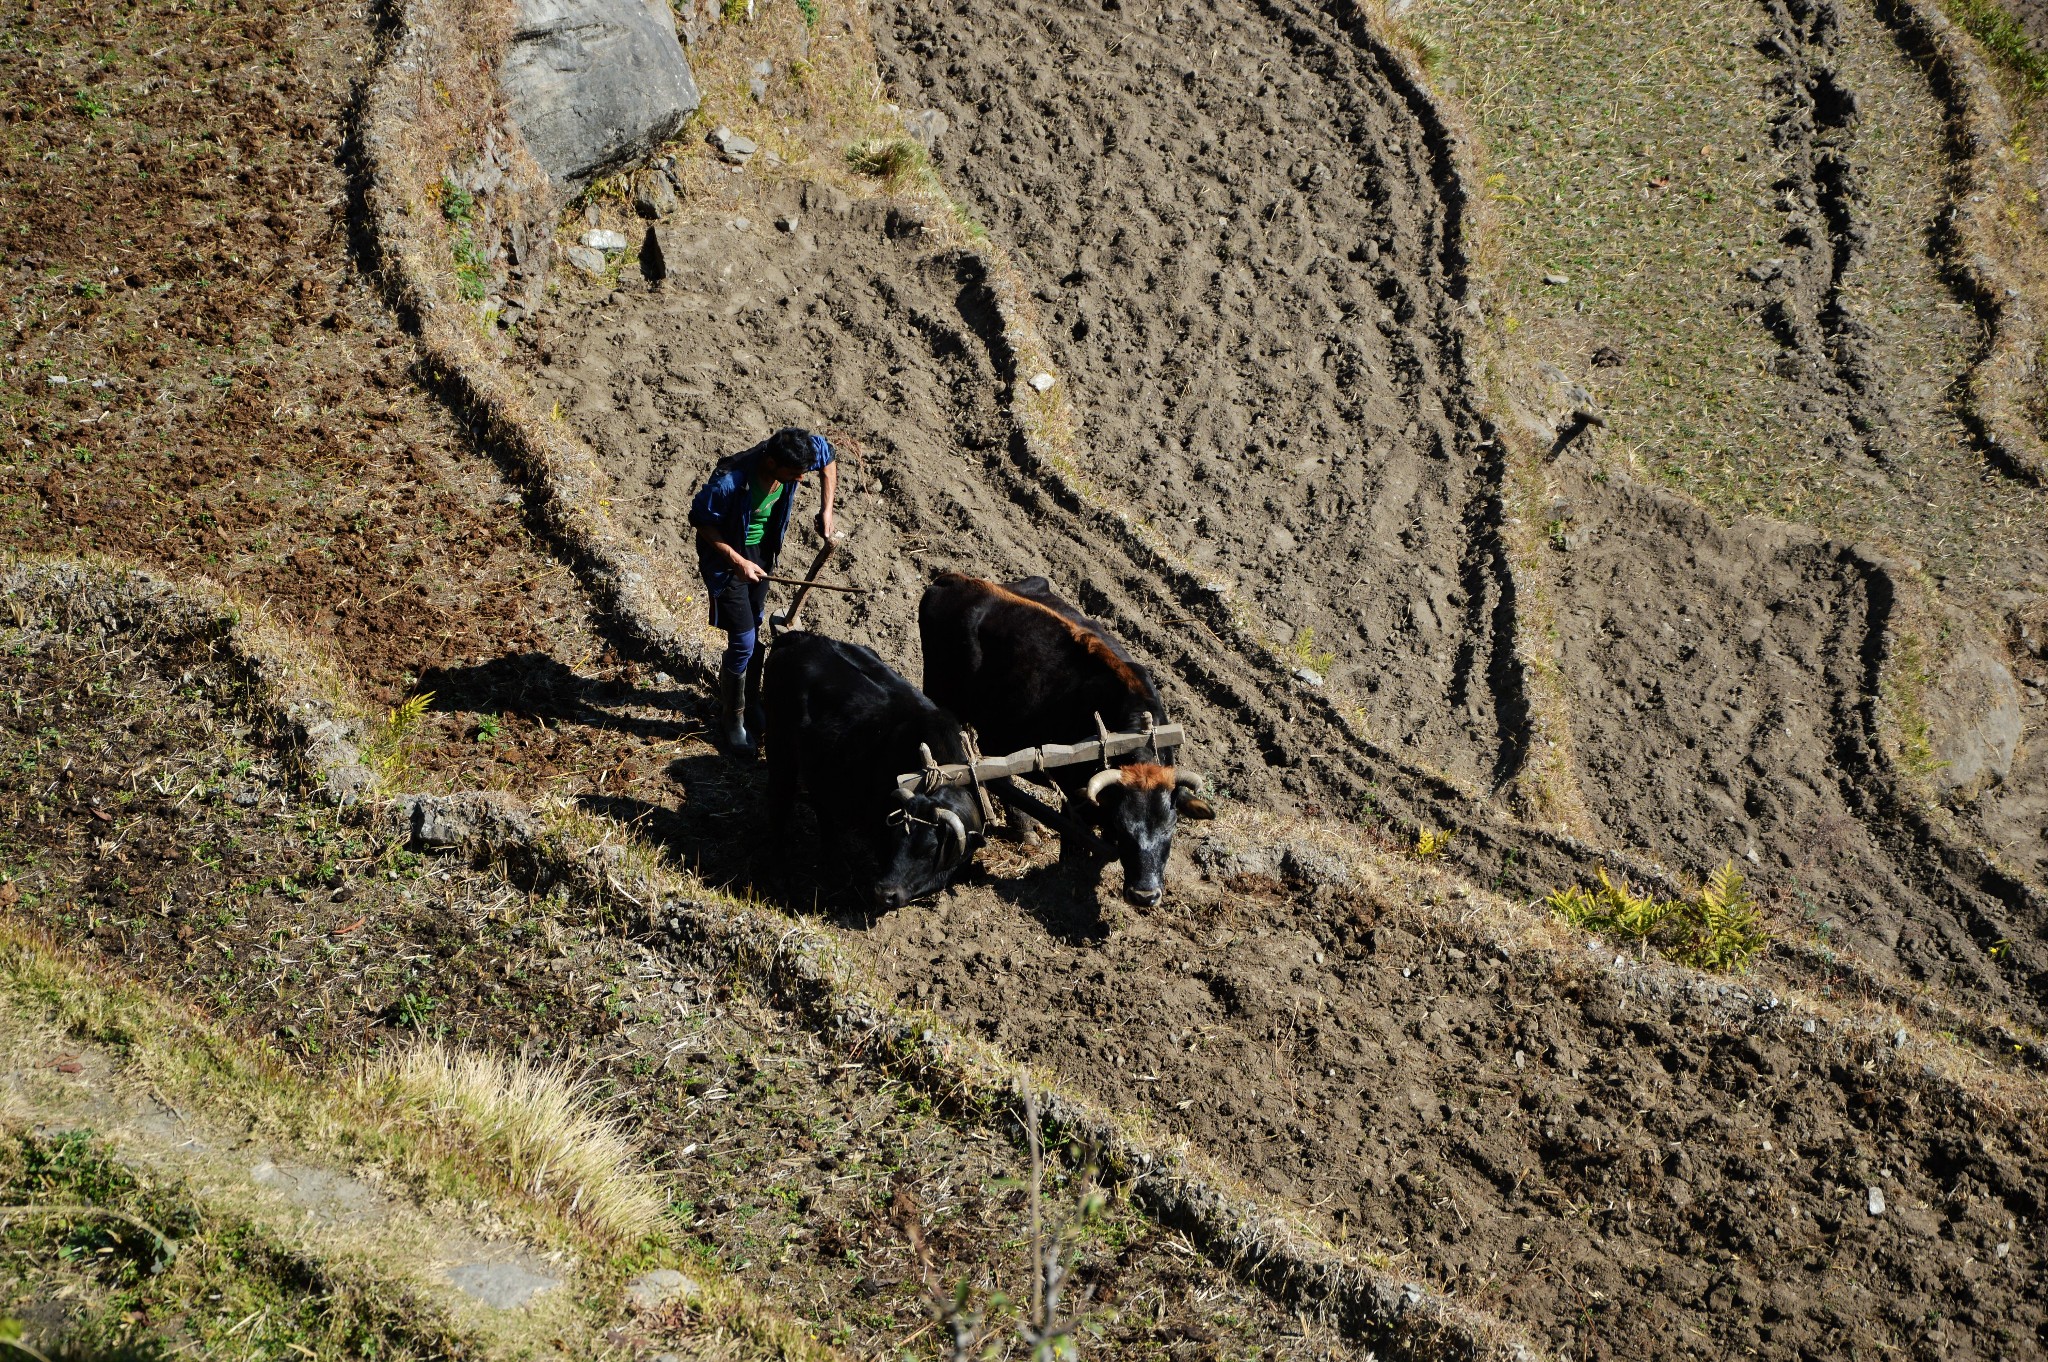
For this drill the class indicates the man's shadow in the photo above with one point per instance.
(537, 686)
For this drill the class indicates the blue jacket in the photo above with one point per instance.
(721, 506)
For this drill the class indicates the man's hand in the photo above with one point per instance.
(826, 524)
(749, 570)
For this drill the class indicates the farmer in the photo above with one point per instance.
(741, 514)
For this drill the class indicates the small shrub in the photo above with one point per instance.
(2006, 40)
(91, 105)
(487, 727)
(1717, 929)
(457, 203)
(387, 746)
(1431, 844)
(472, 268)
(89, 288)
(732, 11)
(809, 9)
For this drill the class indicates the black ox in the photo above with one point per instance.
(1025, 668)
(842, 726)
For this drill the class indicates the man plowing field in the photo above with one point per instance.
(742, 515)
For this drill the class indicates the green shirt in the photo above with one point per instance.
(760, 506)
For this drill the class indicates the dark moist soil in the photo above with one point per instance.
(142, 825)
(1624, 1160)
(196, 376)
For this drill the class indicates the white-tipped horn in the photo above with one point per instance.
(957, 828)
(1102, 780)
(1191, 781)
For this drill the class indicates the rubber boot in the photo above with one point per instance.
(732, 716)
(756, 712)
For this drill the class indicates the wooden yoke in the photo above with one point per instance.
(1163, 738)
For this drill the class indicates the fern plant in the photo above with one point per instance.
(1717, 929)
(1430, 843)
(1726, 929)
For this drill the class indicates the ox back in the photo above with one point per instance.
(841, 727)
(1024, 667)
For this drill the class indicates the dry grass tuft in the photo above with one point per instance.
(529, 1127)
(899, 162)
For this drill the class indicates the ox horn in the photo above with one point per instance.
(1102, 780)
(957, 828)
(1191, 781)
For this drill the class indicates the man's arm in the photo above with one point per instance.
(829, 492)
(748, 569)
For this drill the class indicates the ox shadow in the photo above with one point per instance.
(1065, 898)
(717, 828)
(536, 686)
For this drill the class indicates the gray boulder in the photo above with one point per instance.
(595, 84)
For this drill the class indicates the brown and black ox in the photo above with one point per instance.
(841, 727)
(1024, 668)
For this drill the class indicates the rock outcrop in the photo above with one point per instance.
(595, 84)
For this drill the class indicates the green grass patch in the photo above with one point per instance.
(2005, 39)
(150, 1271)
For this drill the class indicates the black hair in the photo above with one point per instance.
(789, 447)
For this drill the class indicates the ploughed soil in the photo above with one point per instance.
(197, 376)
(1742, 728)
(1253, 310)
(145, 826)
(1343, 1049)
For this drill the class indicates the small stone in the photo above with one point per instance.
(731, 145)
(927, 127)
(787, 223)
(663, 679)
(1306, 865)
(1557, 280)
(2003, 1249)
(1608, 357)
(1876, 1200)
(652, 1290)
(1041, 382)
(1899, 1040)
(741, 224)
(764, 68)
(604, 239)
(656, 199)
(1308, 677)
(757, 88)
(585, 259)
(1521, 1060)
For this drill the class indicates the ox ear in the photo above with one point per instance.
(1187, 797)
(1102, 780)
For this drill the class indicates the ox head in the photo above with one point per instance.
(1138, 807)
(925, 842)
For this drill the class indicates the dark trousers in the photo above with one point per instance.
(737, 610)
